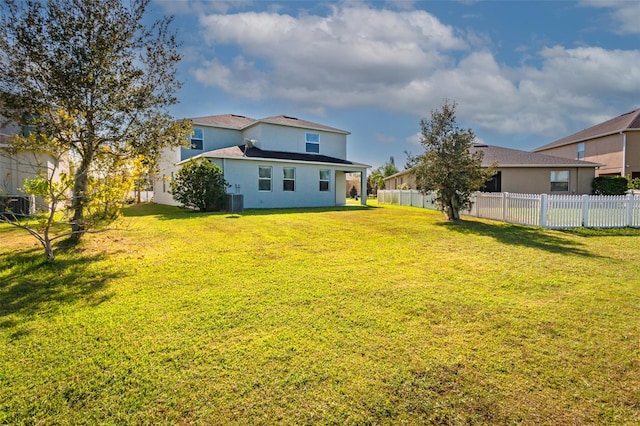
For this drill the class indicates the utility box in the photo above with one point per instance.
(234, 203)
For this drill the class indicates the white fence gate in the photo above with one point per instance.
(547, 211)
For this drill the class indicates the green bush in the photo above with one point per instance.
(200, 184)
(353, 192)
(610, 185)
(633, 183)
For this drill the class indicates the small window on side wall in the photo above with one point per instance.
(560, 181)
(264, 178)
(197, 139)
(289, 179)
(312, 142)
(325, 178)
(580, 155)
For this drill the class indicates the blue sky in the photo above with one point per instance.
(523, 73)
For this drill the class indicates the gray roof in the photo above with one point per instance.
(240, 122)
(624, 122)
(508, 157)
(242, 151)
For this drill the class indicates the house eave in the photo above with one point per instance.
(351, 165)
(588, 138)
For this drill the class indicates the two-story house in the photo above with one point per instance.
(614, 143)
(274, 162)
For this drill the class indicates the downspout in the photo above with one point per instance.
(624, 153)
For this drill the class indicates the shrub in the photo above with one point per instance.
(199, 184)
(634, 183)
(353, 192)
(610, 185)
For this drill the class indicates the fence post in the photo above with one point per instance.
(505, 196)
(543, 211)
(630, 200)
(585, 210)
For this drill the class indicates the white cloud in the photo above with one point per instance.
(625, 14)
(408, 62)
(415, 139)
(379, 137)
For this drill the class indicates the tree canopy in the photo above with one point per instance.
(447, 166)
(92, 80)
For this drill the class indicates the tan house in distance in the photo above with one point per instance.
(523, 172)
(615, 144)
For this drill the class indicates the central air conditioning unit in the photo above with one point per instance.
(234, 203)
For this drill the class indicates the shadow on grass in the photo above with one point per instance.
(164, 212)
(602, 232)
(31, 286)
(518, 235)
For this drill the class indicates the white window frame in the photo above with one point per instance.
(262, 179)
(556, 178)
(200, 139)
(327, 181)
(312, 140)
(286, 179)
(580, 154)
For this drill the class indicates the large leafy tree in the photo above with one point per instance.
(447, 165)
(92, 79)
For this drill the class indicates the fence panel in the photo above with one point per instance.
(523, 209)
(550, 211)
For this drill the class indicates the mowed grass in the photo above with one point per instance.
(354, 315)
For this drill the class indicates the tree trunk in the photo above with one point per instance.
(80, 196)
(452, 210)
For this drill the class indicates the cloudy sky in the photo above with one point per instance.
(523, 73)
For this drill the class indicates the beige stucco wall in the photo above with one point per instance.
(394, 182)
(633, 153)
(537, 180)
(606, 150)
(523, 180)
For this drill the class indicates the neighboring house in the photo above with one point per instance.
(614, 143)
(14, 168)
(273, 162)
(523, 172)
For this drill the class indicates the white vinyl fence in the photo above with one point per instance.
(547, 211)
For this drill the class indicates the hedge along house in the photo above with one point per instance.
(614, 143)
(274, 162)
(523, 172)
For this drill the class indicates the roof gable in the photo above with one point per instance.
(240, 122)
(626, 121)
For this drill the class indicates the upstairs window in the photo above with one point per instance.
(325, 176)
(264, 178)
(580, 155)
(560, 181)
(289, 179)
(313, 142)
(197, 139)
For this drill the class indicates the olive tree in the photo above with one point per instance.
(447, 166)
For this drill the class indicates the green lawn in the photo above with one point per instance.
(354, 315)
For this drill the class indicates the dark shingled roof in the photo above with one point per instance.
(627, 121)
(240, 122)
(253, 152)
(507, 157)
